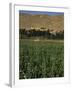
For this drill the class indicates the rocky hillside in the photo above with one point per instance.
(53, 23)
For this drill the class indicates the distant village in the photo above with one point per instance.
(41, 33)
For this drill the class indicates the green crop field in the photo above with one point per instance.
(41, 59)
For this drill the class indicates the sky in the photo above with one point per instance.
(41, 12)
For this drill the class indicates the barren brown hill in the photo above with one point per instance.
(53, 23)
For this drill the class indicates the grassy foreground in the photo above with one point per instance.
(41, 59)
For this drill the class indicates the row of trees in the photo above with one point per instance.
(38, 33)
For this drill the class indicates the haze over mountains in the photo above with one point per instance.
(54, 23)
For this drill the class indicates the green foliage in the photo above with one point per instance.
(41, 59)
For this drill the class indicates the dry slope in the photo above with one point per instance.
(53, 23)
